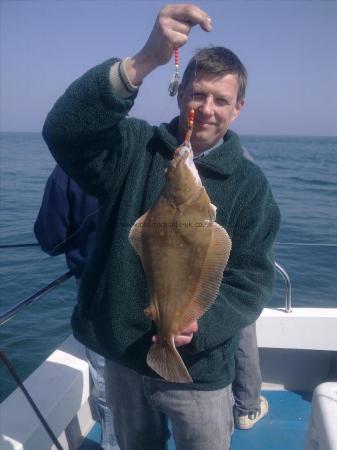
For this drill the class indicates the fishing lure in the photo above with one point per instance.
(173, 89)
(175, 80)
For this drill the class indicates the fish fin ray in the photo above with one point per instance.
(211, 276)
(135, 235)
(212, 212)
(165, 360)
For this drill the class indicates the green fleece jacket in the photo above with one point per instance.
(121, 161)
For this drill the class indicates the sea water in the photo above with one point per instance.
(301, 170)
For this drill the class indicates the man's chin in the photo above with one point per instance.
(202, 138)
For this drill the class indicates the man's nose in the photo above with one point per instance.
(207, 106)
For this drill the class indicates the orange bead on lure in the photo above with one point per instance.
(188, 135)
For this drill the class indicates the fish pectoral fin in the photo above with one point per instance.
(211, 276)
(165, 360)
(135, 235)
(212, 212)
(151, 312)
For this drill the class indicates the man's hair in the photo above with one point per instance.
(218, 61)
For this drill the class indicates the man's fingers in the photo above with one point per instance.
(189, 14)
(175, 32)
(192, 328)
(176, 39)
(178, 26)
(186, 336)
(170, 30)
(183, 339)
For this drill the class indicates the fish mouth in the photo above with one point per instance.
(184, 151)
(188, 157)
(184, 155)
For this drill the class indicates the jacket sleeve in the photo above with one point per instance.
(88, 133)
(52, 223)
(249, 276)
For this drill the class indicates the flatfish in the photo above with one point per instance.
(184, 253)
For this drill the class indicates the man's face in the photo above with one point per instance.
(215, 103)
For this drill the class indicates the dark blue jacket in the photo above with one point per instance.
(67, 219)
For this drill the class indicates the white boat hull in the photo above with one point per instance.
(297, 352)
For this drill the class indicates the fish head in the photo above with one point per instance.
(182, 177)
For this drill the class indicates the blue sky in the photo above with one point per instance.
(288, 47)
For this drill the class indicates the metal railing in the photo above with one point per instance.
(287, 283)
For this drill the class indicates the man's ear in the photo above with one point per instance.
(240, 104)
(238, 108)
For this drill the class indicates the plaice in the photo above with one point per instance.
(184, 253)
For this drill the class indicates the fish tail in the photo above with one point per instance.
(164, 359)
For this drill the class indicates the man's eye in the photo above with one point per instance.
(222, 101)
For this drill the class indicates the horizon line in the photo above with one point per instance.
(240, 134)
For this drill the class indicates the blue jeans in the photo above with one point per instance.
(247, 383)
(103, 413)
(141, 406)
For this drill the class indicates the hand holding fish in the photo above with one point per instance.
(183, 338)
(170, 30)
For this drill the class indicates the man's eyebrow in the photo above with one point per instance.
(225, 98)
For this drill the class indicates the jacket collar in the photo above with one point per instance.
(222, 160)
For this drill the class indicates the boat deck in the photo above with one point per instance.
(284, 427)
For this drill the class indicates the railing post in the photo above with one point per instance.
(287, 282)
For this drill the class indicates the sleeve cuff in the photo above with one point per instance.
(119, 81)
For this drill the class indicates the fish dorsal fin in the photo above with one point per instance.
(135, 235)
(211, 276)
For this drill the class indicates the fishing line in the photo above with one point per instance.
(46, 258)
(308, 244)
(19, 245)
(173, 89)
(74, 233)
(78, 229)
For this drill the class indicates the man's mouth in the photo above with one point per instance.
(201, 123)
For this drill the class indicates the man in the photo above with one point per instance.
(66, 224)
(122, 161)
